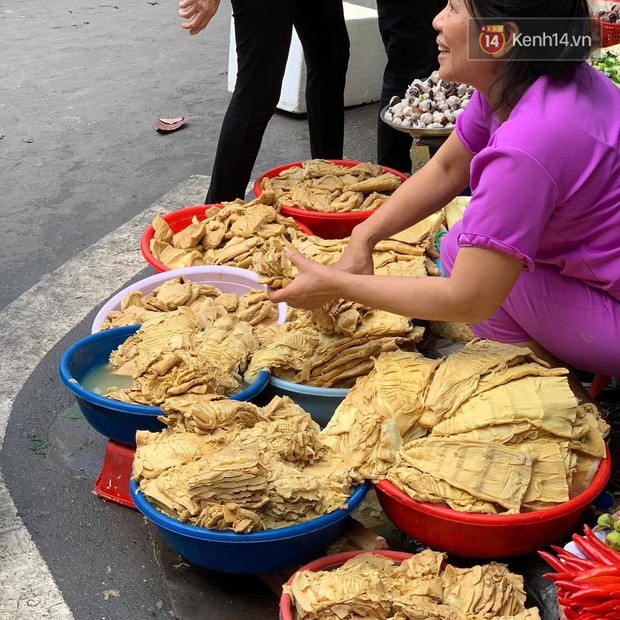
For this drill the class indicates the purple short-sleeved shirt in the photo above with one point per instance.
(546, 182)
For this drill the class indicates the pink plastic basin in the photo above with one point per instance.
(227, 279)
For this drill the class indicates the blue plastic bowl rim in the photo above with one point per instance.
(109, 403)
(310, 390)
(290, 531)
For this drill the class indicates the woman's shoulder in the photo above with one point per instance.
(560, 118)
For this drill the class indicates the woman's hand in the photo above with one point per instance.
(314, 286)
(356, 258)
(198, 13)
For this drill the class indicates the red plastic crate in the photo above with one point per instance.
(113, 481)
(610, 32)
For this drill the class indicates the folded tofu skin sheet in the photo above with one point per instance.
(420, 588)
(490, 429)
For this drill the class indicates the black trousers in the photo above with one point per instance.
(263, 30)
(410, 44)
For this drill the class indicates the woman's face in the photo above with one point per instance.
(453, 40)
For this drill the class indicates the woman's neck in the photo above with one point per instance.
(492, 93)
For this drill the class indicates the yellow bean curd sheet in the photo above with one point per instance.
(226, 236)
(507, 436)
(207, 301)
(375, 587)
(331, 347)
(172, 354)
(252, 235)
(489, 429)
(233, 234)
(206, 347)
(320, 185)
(230, 465)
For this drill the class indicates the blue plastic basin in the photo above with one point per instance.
(115, 419)
(258, 552)
(319, 402)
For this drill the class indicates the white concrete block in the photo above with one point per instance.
(366, 64)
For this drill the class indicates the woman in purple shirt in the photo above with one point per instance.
(536, 258)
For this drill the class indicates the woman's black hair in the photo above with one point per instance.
(568, 22)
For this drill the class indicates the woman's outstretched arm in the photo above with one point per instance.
(445, 176)
(480, 281)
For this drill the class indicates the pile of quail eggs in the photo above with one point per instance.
(429, 104)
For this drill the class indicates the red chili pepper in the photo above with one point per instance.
(597, 591)
(574, 561)
(602, 579)
(579, 567)
(609, 615)
(562, 551)
(570, 614)
(567, 575)
(579, 564)
(605, 607)
(598, 572)
(552, 561)
(614, 556)
(591, 551)
(571, 586)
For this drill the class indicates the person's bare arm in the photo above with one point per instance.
(198, 14)
(480, 281)
(428, 190)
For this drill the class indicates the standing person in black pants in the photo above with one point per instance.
(410, 44)
(263, 30)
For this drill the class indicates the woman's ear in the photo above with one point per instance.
(511, 35)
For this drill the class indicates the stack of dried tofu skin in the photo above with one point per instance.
(333, 347)
(491, 429)
(372, 586)
(409, 253)
(172, 354)
(321, 185)
(380, 413)
(207, 301)
(227, 236)
(230, 465)
(337, 344)
(454, 210)
(236, 233)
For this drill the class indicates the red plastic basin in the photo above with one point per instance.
(178, 220)
(330, 562)
(325, 225)
(484, 535)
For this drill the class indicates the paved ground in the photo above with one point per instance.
(82, 175)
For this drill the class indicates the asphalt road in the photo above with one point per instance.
(81, 174)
